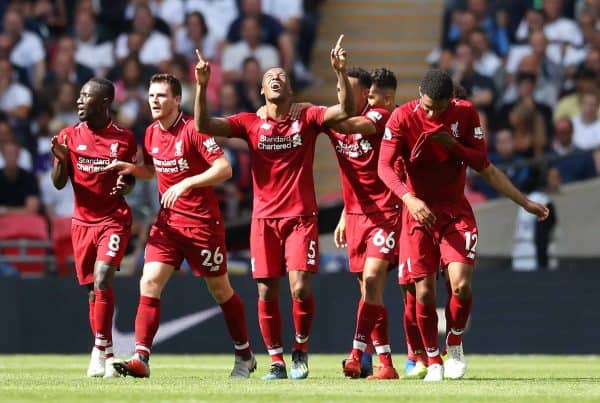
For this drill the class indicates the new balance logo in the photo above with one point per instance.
(81, 147)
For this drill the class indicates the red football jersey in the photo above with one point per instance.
(357, 156)
(282, 155)
(90, 151)
(178, 153)
(434, 174)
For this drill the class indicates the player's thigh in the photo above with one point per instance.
(162, 246)
(84, 252)
(459, 245)
(112, 244)
(203, 246)
(301, 244)
(266, 249)
(419, 253)
(382, 237)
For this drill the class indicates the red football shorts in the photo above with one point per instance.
(203, 246)
(278, 245)
(99, 243)
(374, 235)
(453, 239)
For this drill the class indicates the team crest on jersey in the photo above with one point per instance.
(478, 133)
(183, 164)
(179, 148)
(365, 146)
(454, 128)
(211, 145)
(296, 140)
(114, 148)
(295, 127)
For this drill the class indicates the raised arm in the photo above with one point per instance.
(346, 106)
(59, 170)
(499, 181)
(219, 172)
(356, 124)
(204, 123)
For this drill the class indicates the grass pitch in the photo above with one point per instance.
(62, 378)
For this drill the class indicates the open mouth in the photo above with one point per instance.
(275, 85)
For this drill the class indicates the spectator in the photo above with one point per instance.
(586, 125)
(512, 164)
(250, 45)
(572, 163)
(15, 99)
(463, 23)
(248, 87)
(230, 102)
(529, 130)
(195, 35)
(535, 241)
(24, 160)
(525, 83)
(218, 14)
(57, 204)
(480, 89)
(533, 22)
(272, 32)
(545, 92)
(131, 91)
(48, 17)
(171, 12)
(64, 67)
(42, 134)
(154, 47)
(487, 63)
(570, 105)
(93, 51)
(64, 114)
(28, 50)
(559, 29)
(179, 69)
(19, 191)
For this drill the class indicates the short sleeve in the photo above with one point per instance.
(238, 124)
(146, 154)
(315, 115)
(206, 145)
(379, 117)
(392, 135)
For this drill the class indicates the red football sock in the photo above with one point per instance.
(414, 342)
(235, 318)
(428, 326)
(303, 311)
(104, 307)
(380, 337)
(460, 311)
(269, 319)
(366, 317)
(91, 316)
(147, 320)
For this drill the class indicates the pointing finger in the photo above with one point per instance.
(339, 41)
(199, 55)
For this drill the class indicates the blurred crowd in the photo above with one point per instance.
(50, 48)
(532, 68)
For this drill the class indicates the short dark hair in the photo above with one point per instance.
(384, 78)
(437, 84)
(173, 82)
(107, 88)
(364, 78)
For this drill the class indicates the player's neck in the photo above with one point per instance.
(168, 121)
(278, 111)
(98, 123)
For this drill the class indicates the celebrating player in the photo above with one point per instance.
(284, 233)
(189, 226)
(101, 218)
(370, 222)
(435, 137)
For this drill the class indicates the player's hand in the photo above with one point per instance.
(172, 194)
(296, 109)
(444, 139)
(202, 69)
(122, 167)
(537, 209)
(60, 151)
(419, 210)
(123, 186)
(338, 55)
(339, 235)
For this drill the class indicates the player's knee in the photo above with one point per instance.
(300, 291)
(149, 286)
(462, 290)
(91, 295)
(102, 277)
(426, 296)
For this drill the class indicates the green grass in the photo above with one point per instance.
(204, 378)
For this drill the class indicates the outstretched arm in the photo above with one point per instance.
(204, 123)
(499, 181)
(128, 168)
(346, 107)
(356, 124)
